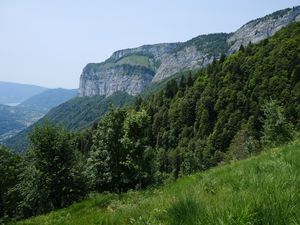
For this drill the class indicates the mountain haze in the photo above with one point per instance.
(14, 93)
(14, 119)
(48, 99)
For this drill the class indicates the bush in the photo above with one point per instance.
(276, 129)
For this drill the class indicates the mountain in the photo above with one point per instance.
(13, 119)
(261, 28)
(237, 107)
(79, 113)
(136, 70)
(48, 99)
(75, 114)
(261, 190)
(132, 70)
(13, 93)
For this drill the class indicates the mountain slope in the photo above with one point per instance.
(13, 93)
(197, 122)
(260, 190)
(13, 119)
(75, 114)
(132, 70)
(48, 99)
(79, 113)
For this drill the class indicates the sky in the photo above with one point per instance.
(49, 42)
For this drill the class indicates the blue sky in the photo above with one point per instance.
(49, 42)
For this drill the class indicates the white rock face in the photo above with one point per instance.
(189, 58)
(129, 79)
(153, 63)
(260, 29)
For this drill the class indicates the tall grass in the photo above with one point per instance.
(258, 191)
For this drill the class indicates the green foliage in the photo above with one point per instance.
(120, 158)
(192, 124)
(9, 171)
(196, 119)
(105, 163)
(210, 44)
(242, 145)
(135, 141)
(49, 179)
(276, 129)
(75, 114)
(261, 190)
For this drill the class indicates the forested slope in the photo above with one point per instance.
(260, 190)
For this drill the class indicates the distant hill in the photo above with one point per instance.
(14, 93)
(75, 114)
(13, 119)
(48, 99)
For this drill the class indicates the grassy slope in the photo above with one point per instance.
(260, 190)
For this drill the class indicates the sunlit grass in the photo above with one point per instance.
(261, 190)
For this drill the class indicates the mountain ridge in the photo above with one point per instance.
(159, 61)
(14, 93)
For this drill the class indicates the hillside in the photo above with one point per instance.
(133, 70)
(14, 93)
(233, 109)
(75, 114)
(260, 190)
(80, 113)
(48, 99)
(13, 119)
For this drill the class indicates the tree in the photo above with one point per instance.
(49, 180)
(171, 88)
(276, 129)
(9, 171)
(105, 163)
(136, 144)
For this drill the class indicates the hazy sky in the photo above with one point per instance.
(48, 42)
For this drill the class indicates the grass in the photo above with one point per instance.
(262, 190)
(136, 60)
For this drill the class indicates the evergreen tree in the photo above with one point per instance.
(276, 129)
(9, 171)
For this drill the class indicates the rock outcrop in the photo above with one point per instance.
(131, 70)
(262, 28)
(106, 81)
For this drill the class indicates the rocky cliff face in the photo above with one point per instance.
(131, 70)
(108, 80)
(262, 28)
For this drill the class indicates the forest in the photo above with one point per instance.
(230, 110)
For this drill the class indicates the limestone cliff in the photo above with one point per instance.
(262, 28)
(131, 70)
